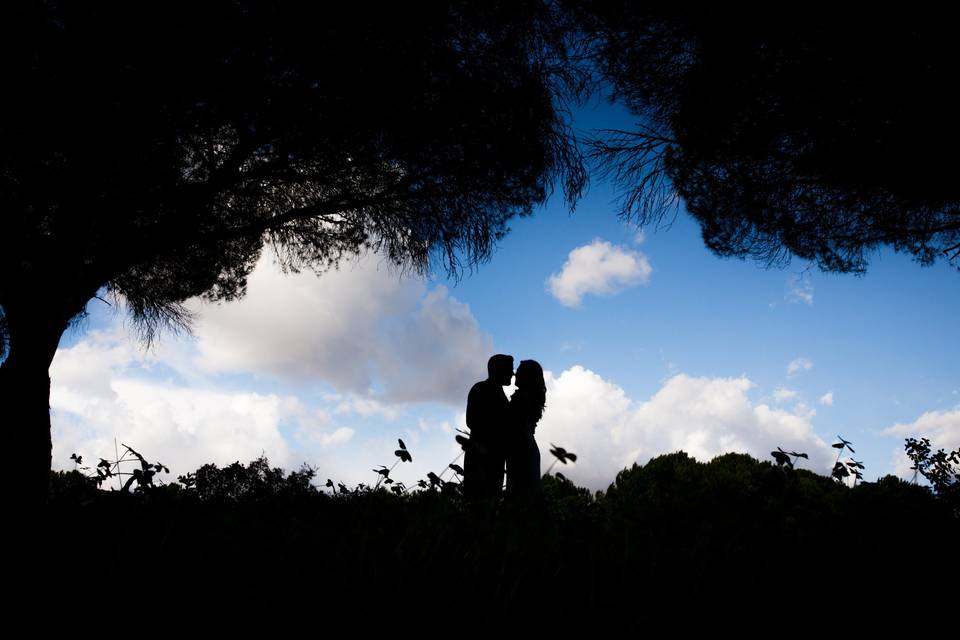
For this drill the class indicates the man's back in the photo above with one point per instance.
(486, 412)
(484, 461)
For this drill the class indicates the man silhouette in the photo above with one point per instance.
(487, 408)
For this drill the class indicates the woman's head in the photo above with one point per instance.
(530, 382)
(530, 375)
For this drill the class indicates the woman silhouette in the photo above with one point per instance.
(526, 409)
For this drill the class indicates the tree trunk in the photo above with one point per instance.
(34, 334)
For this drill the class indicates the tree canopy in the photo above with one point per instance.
(786, 134)
(152, 149)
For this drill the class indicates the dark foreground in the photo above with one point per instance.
(665, 537)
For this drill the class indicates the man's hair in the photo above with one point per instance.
(499, 362)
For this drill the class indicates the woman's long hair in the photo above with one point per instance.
(531, 389)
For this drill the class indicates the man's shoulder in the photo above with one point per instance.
(487, 390)
(480, 387)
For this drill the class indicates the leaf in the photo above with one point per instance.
(781, 457)
(840, 471)
(402, 446)
(843, 443)
(562, 454)
(404, 455)
(457, 469)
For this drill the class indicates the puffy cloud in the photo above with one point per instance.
(799, 364)
(705, 417)
(598, 268)
(782, 395)
(436, 353)
(358, 328)
(827, 399)
(102, 400)
(364, 407)
(941, 427)
(341, 435)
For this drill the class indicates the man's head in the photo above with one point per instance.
(500, 369)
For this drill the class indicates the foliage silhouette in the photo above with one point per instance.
(561, 455)
(105, 469)
(783, 457)
(785, 135)
(256, 481)
(669, 528)
(846, 468)
(206, 131)
(940, 469)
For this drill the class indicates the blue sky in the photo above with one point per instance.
(651, 342)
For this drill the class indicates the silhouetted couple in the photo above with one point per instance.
(501, 431)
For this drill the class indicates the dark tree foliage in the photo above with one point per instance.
(787, 133)
(672, 533)
(152, 149)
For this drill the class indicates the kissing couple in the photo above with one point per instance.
(501, 431)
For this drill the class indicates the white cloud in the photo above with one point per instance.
(364, 407)
(341, 435)
(782, 395)
(436, 353)
(640, 237)
(357, 328)
(185, 427)
(598, 268)
(799, 364)
(182, 427)
(800, 289)
(827, 399)
(941, 427)
(705, 417)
